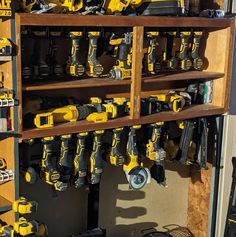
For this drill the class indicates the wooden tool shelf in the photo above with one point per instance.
(85, 126)
(219, 45)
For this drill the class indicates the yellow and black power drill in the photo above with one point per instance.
(96, 161)
(94, 67)
(122, 69)
(74, 66)
(197, 61)
(115, 156)
(153, 66)
(80, 160)
(48, 172)
(184, 55)
(137, 175)
(65, 166)
(169, 60)
(162, 102)
(156, 153)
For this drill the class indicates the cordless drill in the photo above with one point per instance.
(137, 176)
(122, 69)
(156, 153)
(185, 62)
(94, 67)
(80, 160)
(41, 67)
(169, 61)
(74, 66)
(116, 157)
(65, 165)
(48, 172)
(96, 162)
(197, 61)
(153, 65)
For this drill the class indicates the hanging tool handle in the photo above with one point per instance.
(196, 44)
(184, 47)
(96, 161)
(64, 155)
(80, 160)
(92, 53)
(185, 140)
(76, 38)
(152, 52)
(116, 156)
(47, 152)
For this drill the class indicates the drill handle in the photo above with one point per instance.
(75, 49)
(132, 149)
(92, 53)
(80, 161)
(47, 152)
(185, 140)
(124, 51)
(64, 156)
(184, 47)
(155, 139)
(196, 46)
(152, 54)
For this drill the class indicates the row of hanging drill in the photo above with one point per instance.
(78, 159)
(179, 51)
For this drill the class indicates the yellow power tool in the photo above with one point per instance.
(146, 7)
(48, 172)
(94, 67)
(69, 113)
(74, 66)
(170, 101)
(115, 156)
(96, 161)
(197, 61)
(80, 160)
(23, 206)
(153, 66)
(122, 69)
(156, 153)
(137, 175)
(184, 54)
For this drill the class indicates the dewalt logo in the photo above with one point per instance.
(5, 8)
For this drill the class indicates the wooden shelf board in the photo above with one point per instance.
(5, 205)
(27, 19)
(5, 58)
(82, 126)
(73, 84)
(179, 76)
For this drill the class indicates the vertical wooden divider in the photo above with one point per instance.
(136, 78)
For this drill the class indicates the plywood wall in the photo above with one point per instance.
(125, 212)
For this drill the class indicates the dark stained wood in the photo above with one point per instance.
(192, 75)
(119, 21)
(73, 84)
(82, 126)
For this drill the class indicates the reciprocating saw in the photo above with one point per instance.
(70, 113)
(122, 69)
